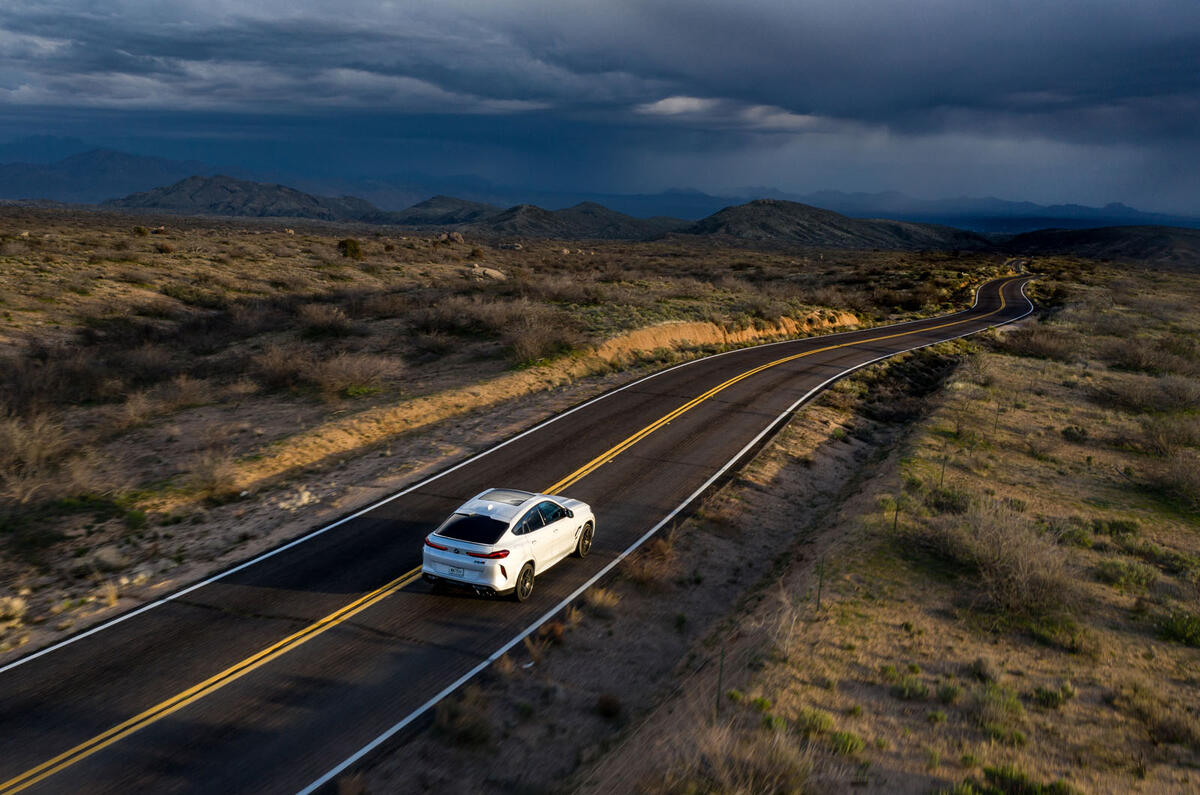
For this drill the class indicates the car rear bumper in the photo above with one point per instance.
(466, 570)
(482, 590)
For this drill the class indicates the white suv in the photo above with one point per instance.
(498, 540)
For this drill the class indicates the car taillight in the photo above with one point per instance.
(502, 553)
(429, 543)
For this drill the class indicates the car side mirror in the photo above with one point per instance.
(570, 513)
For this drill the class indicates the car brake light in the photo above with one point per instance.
(429, 543)
(501, 553)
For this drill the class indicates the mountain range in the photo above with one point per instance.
(763, 220)
(68, 170)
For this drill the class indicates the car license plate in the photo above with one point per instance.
(455, 572)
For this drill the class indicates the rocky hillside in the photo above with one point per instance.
(228, 196)
(1161, 246)
(586, 220)
(444, 211)
(779, 221)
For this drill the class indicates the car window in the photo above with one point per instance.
(551, 512)
(473, 527)
(532, 521)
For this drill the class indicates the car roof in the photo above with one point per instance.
(502, 504)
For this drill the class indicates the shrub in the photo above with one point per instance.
(323, 320)
(652, 565)
(1064, 633)
(1181, 478)
(911, 688)
(351, 374)
(717, 759)
(984, 669)
(281, 368)
(1146, 394)
(608, 706)
(1053, 697)
(1008, 780)
(846, 743)
(997, 707)
(350, 248)
(1126, 575)
(1181, 626)
(1166, 722)
(539, 335)
(464, 720)
(812, 722)
(31, 451)
(1116, 528)
(601, 601)
(1019, 569)
(1042, 342)
(948, 692)
(950, 499)
(214, 474)
(1076, 434)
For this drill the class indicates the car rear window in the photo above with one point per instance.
(476, 528)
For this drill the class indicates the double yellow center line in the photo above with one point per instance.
(240, 669)
(630, 441)
(181, 700)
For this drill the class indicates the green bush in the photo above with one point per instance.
(846, 743)
(1181, 626)
(910, 688)
(1053, 697)
(350, 248)
(948, 692)
(811, 722)
(1075, 433)
(1126, 575)
(949, 499)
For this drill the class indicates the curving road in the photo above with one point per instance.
(281, 672)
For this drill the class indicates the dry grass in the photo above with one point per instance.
(601, 601)
(652, 565)
(463, 718)
(31, 454)
(720, 759)
(1020, 570)
(1057, 567)
(214, 474)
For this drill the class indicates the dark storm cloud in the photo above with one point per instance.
(860, 80)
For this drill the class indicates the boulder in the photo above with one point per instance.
(482, 274)
(109, 558)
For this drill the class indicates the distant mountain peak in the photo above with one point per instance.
(224, 195)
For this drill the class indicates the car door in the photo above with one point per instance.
(532, 528)
(555, 517)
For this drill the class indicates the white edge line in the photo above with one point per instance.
(112, 622)
(419, 711)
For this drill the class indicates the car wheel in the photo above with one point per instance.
(585, 541)
(524, 583)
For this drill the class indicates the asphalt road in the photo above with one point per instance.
(269, 677)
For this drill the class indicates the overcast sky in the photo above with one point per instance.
(1048, 100)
